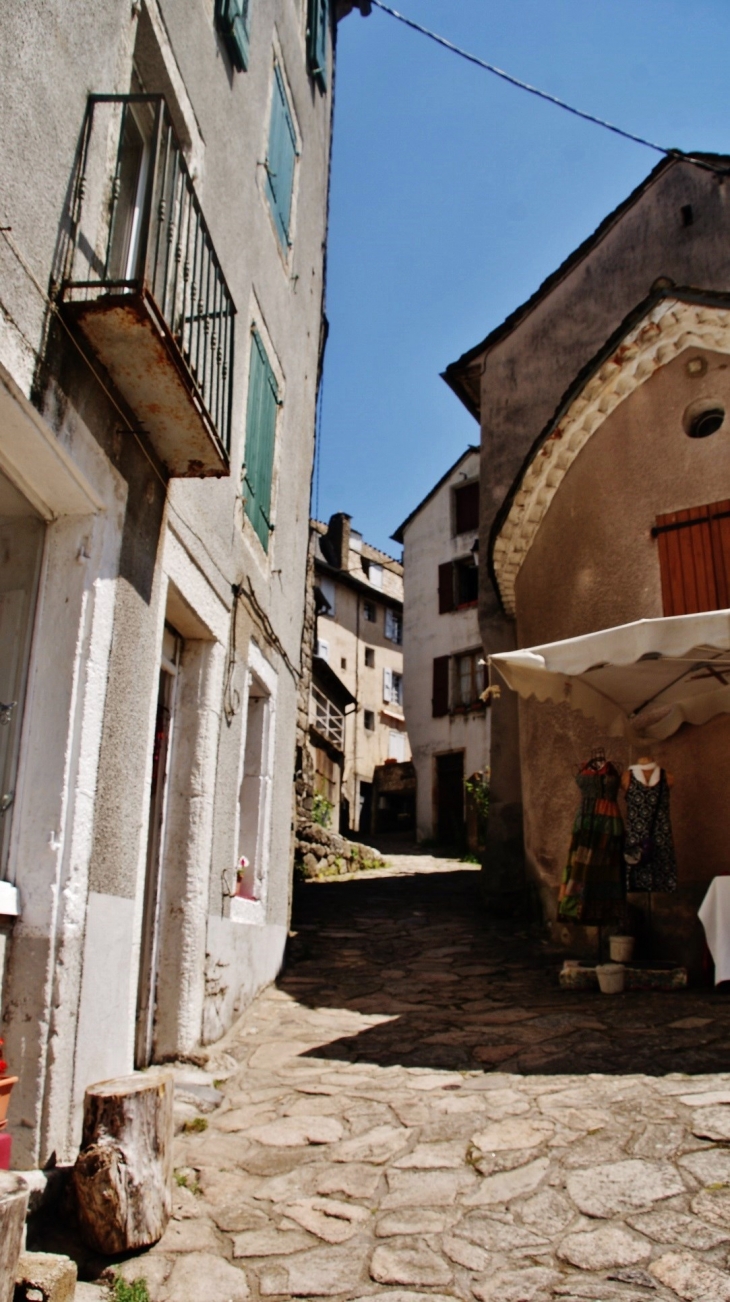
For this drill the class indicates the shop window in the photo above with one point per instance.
(466, 508)
(369, 657)
(369, 720)
(393, 626)
(694, 558)
(458, 585)
(369, 612)
(22, 535)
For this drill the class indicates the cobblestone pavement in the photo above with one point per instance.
(417, 1112)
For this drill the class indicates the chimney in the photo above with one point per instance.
(338, 536)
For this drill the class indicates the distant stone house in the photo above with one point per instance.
(357, 639)
(674, 228)
(448, 722)
(165, 188)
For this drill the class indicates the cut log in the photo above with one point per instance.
(123, 1173)
(14, 1195)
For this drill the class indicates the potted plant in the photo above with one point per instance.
(6, 1086)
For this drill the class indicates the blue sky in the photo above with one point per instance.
(454, 195)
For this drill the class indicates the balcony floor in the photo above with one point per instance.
(144, 362)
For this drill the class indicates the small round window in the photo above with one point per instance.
(706, 423)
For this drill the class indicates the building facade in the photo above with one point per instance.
(673, 229)
(359, 635)
(165, 183)
(448, 722)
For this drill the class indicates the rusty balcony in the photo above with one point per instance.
(144, 284)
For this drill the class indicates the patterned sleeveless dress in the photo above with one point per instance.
(648, 827)
(593, 889)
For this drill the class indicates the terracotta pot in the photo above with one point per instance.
(611, 977)
(621, 948)
(6, 1085)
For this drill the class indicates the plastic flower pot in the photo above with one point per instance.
(621, 948)
(611, 977)
(6, 1086)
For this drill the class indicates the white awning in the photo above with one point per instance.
(643, 679)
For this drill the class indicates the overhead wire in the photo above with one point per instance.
(543, 94)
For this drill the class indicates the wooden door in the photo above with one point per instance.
(450, 798)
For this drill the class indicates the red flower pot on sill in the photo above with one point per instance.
(6, 1086)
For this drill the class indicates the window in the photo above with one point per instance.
(468, 679)
(369, 612)
(263, 400)
(466, 508)
(369, 657)
(343, 662)
(694, 558)
(232, 21)
(372, 571)
(369, 720)
(458, 585)
(393, 626)
(327, 589)
(280, 159)
(318, 17)
(392, 686)
(323, 649)
(397, 746)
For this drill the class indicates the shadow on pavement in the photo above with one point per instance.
(463, 991)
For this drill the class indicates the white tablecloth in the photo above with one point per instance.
(714, 914)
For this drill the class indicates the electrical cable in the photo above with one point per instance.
(543, 94)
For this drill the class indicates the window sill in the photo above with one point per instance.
(251, 912)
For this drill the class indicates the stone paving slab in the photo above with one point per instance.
(366, 1146)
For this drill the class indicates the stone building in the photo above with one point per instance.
(674, 228)
(164, 214)
(448, 722)
(358, 592)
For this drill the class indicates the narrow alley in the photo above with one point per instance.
(415, 1110)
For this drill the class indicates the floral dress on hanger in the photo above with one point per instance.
(593, 887)
(649, 836)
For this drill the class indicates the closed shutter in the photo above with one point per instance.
(466, 506)
(263, 400)
(281, 157)
(317, 27)
(446, 587)
(694, 558)
(387, 684)
(440, 699)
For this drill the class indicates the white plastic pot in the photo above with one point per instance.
(611, 977)
(621, 948)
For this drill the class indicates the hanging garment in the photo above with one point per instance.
(593, 888)
(650, 860)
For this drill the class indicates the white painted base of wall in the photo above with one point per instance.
(242, 959)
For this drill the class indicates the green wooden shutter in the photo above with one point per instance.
(263, 400)
(233, 22)
(318, 21)
(281, 157)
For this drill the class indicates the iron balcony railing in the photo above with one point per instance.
(328, 720)
(151, 239)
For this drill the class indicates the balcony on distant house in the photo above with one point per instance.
(144, 285)
(328, 720)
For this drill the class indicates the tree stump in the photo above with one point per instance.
(123, 1173)
(14, 1194)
